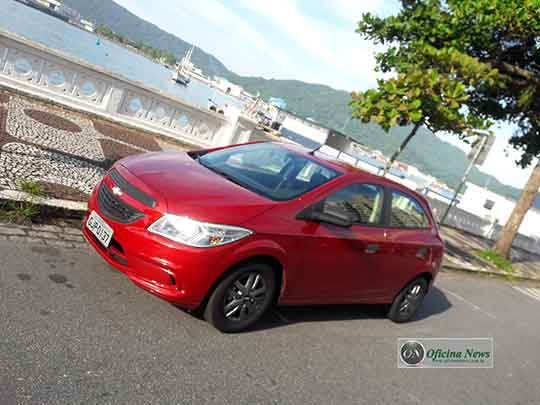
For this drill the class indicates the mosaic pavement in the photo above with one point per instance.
(67, 153)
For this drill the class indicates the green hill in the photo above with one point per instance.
(319, 102)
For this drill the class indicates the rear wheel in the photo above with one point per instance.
(241, 298)
(408, 300)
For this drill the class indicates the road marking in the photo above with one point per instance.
(476, 307)
(533, 293)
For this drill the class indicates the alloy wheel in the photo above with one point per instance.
(245, 297)
(411, 300)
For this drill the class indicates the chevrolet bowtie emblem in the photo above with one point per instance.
(117, 191)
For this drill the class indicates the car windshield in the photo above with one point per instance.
(269, 170)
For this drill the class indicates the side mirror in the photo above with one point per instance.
(330, 215)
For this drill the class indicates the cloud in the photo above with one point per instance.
(282, 39)
(352, 10)
(337, 46)
(216, 29)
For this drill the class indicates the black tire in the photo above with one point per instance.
(232, 308)
(408, 301)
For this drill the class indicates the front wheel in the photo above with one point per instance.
(408, 301)
(241, 298)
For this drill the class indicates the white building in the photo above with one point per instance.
(493, 207)
(52, 4)
(305, 128)
(227, 87)
(88, 25)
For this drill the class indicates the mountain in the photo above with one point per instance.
(319, 102)
(122, 21)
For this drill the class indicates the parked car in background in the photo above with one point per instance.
(232, 231)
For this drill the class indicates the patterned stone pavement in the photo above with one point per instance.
(66, 152)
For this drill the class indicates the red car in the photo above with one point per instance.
(234, 230)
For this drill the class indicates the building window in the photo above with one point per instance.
(488, 205)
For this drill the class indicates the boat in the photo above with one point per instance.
(51, 7)
(180, 78)
(182, 69)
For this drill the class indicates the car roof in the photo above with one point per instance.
(350, 170)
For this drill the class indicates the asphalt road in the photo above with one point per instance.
(74, 330)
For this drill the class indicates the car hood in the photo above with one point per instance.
(190, 189)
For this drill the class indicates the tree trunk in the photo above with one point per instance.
(526, 201)
(401, 147)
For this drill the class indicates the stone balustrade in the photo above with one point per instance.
(32, 68)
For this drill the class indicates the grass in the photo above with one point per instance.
(32, 188)
(18, 211)
(22, 211)
(496, 259)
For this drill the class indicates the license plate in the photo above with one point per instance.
(99, 228)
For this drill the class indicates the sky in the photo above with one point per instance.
(309, 40)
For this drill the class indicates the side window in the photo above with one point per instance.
(406, 212)
(361, 202)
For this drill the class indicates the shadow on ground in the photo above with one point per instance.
(435, 303)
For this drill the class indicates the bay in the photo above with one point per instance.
(59, 35)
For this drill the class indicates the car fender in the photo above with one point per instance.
(261, 247)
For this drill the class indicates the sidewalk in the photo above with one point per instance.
(460, 255)
(65, 152)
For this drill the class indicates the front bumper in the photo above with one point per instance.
(176, 273)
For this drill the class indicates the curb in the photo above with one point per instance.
(488, 273)
(68, 205)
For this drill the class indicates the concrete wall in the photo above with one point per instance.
(474, 201)
(40, 71)
(306, 129)
(466, 221)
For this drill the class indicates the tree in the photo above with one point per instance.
(433, 96)
(483, 58)
(169, 58)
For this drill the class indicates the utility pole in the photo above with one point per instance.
(483, 142)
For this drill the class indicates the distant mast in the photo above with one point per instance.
(181, 73)
(186, 63)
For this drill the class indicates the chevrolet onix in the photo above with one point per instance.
(232, 231)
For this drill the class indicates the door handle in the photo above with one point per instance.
(423, 253)
(372, 248)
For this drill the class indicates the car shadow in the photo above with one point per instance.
(434, 303)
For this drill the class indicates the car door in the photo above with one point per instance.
(410, 238)
(339, 263)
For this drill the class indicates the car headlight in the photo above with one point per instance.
(195, 233)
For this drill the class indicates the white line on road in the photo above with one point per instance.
(476, 307)
(533, 293)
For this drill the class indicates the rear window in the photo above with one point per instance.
(406, 212)
(269, 170)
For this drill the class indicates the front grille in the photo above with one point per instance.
(131, 190)
(116, 209)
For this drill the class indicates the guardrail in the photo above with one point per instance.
(49, 74)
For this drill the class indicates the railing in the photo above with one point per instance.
(40, 71)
